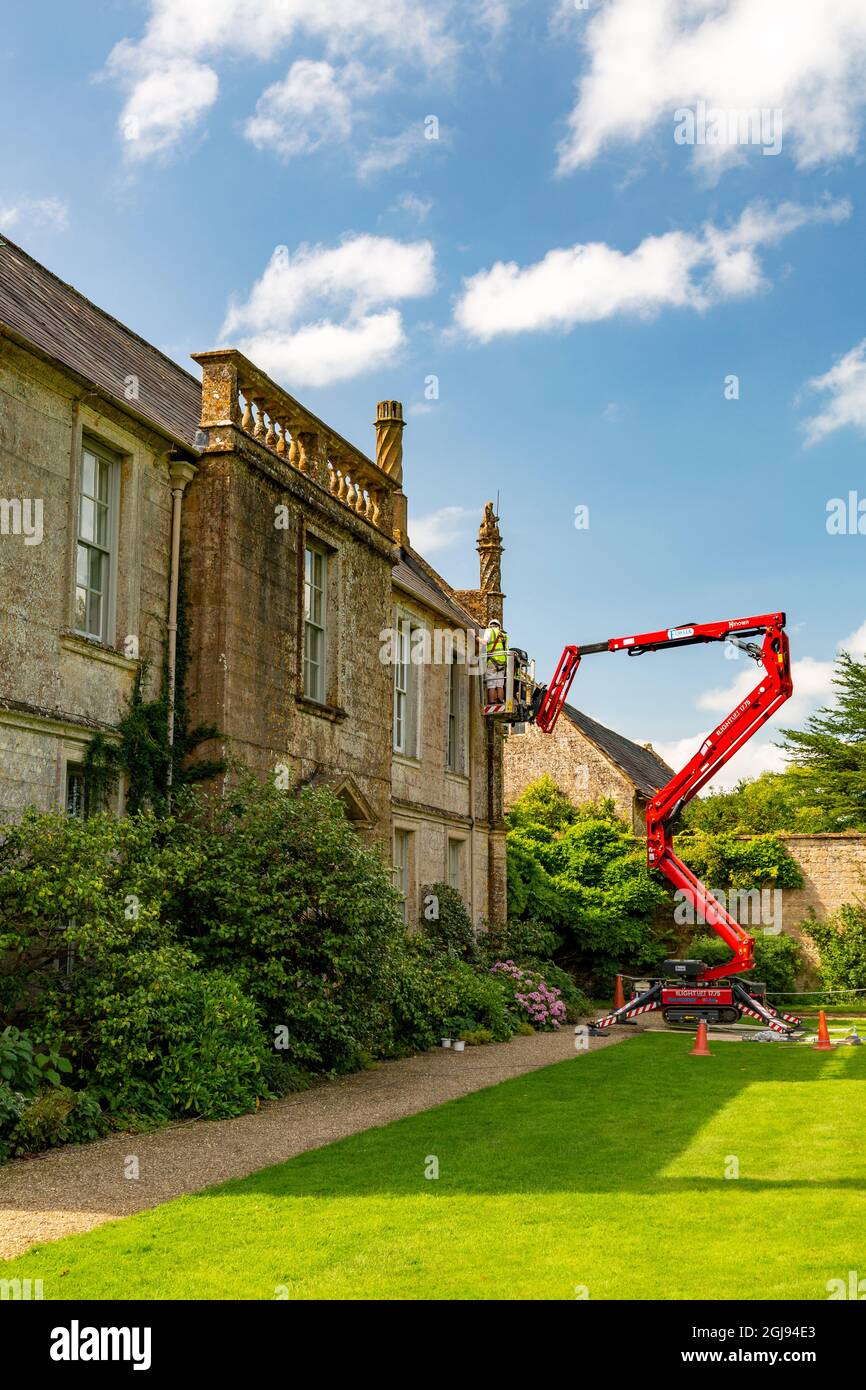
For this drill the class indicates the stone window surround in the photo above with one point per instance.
(406, 830)
(71, 756)
(461, 725)
(113, 460)
(133, 455)
(309, 536)
(319, 622)
(463, 841)
(411, 759)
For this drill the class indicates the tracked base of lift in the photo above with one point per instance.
(699, 1000)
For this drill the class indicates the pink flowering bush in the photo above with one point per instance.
(539, 1003)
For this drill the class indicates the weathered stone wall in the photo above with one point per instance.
(437, 803)
(246, 598)
(56, 688)
(834, 872)
(578, 768)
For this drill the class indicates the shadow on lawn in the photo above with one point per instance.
(611, 1126)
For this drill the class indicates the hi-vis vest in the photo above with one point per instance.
(497, 646)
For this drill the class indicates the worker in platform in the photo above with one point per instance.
(497, 658)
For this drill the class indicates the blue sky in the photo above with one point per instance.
(580, 283)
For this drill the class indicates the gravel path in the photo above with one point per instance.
(81, 1186)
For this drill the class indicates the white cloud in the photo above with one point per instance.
(593, 281)
(645, 61)
(313, 105)
(361, 272)
(413, 205)
(166, 102)
(495, 15)
(287, 322)
(317, 354)
(812, 684)
(26, 213)
(170, 72)
(440, 529)
(845, 384)
(389, 152)
(855, 643)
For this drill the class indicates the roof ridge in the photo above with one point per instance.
(103, 313)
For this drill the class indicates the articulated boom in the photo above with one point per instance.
(772, 690)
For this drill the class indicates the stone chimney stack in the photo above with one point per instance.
(389, 457)
(490, 549)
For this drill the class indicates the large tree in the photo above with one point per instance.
(828, 757)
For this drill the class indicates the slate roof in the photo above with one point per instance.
(645, 769)
(69, 329)
(416, 580)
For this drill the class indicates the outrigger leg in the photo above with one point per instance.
(641, 1004)
(766, 1013)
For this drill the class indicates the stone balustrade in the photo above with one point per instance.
(236, 395)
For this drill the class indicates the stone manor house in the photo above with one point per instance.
(116, 468)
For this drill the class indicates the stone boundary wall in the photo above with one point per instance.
(834, 872)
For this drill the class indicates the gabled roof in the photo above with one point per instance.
(645, 769)
(71, 331)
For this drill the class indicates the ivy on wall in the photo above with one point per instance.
(142, 753)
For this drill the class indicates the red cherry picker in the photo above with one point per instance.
(692, 990)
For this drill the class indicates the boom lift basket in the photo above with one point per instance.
(520, 690)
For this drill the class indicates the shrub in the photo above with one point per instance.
(841, 940)
(12, 1106)
(477, 1037)
(726, 861)
(580, 873)
(578, 1008)
(32, 1099)
(445, 923)
(532, 997)
(522, 939)
(57, 1115)
(530, 943)
(543, 804)
(279, 889)
(281, 1077)
(771, 802)
(87, 1121)
(43, 1121)
(477, 1000)
(227, 951)
(73, 887)
(24, 1068)
(158, 1035)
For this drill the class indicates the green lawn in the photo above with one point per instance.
(605, 1171)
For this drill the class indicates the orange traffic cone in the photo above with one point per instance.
(701, 1047)
(618, 995)
(823, 1044)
